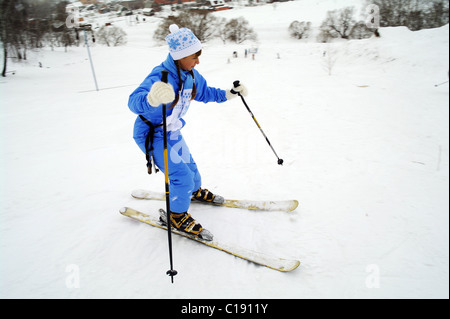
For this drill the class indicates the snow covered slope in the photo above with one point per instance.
(365, 150)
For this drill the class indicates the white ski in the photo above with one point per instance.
(280, 205)
(275, 263)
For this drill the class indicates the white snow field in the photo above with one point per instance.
(365, 149)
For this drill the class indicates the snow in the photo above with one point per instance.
(365, 149)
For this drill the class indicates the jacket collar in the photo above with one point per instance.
(169, 65)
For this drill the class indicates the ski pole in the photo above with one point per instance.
(170, 272)
(436, 85)
(236, 84)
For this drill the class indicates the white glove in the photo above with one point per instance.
(160, 93)
(235, 90)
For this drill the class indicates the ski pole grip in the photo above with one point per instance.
(235, 84)
(164, 75)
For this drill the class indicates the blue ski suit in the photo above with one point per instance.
(183, 173)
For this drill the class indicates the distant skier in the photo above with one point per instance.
(184, 84)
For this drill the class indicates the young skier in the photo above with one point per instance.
(184, 84)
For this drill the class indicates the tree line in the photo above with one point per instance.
(414, 14)
(30, 24)
(27, 24)
(207, 26)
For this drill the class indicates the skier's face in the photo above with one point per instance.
(189, 62)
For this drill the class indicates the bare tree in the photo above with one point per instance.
(13, 25)
(111, 35)
(207, 26)
(414, 14)
(238, 30)
(300, 30)
(221, 30)
(200, 22)
(437, 14)
(361, 31)
(338, 23)
(341, 24)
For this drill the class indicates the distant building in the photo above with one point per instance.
(162, 2)
(133, 4)
(87, 2)
(217, 5)
(212, 5)
(74, 6)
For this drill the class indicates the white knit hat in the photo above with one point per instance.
(182, 42)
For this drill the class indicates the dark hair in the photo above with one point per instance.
(194, 88)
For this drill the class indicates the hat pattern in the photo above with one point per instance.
(174, 43)
(182, 42)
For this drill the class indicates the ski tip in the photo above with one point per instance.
(138, 193)
(297, 263)
(293, 264)
(123, 210)
(292, 206)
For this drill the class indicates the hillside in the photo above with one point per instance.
(366, 152)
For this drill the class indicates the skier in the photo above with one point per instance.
(184, 84)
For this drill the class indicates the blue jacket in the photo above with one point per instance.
(138, 103)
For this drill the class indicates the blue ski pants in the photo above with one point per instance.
(184, 176)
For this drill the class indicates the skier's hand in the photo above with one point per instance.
(160, 93)
(240, 88)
